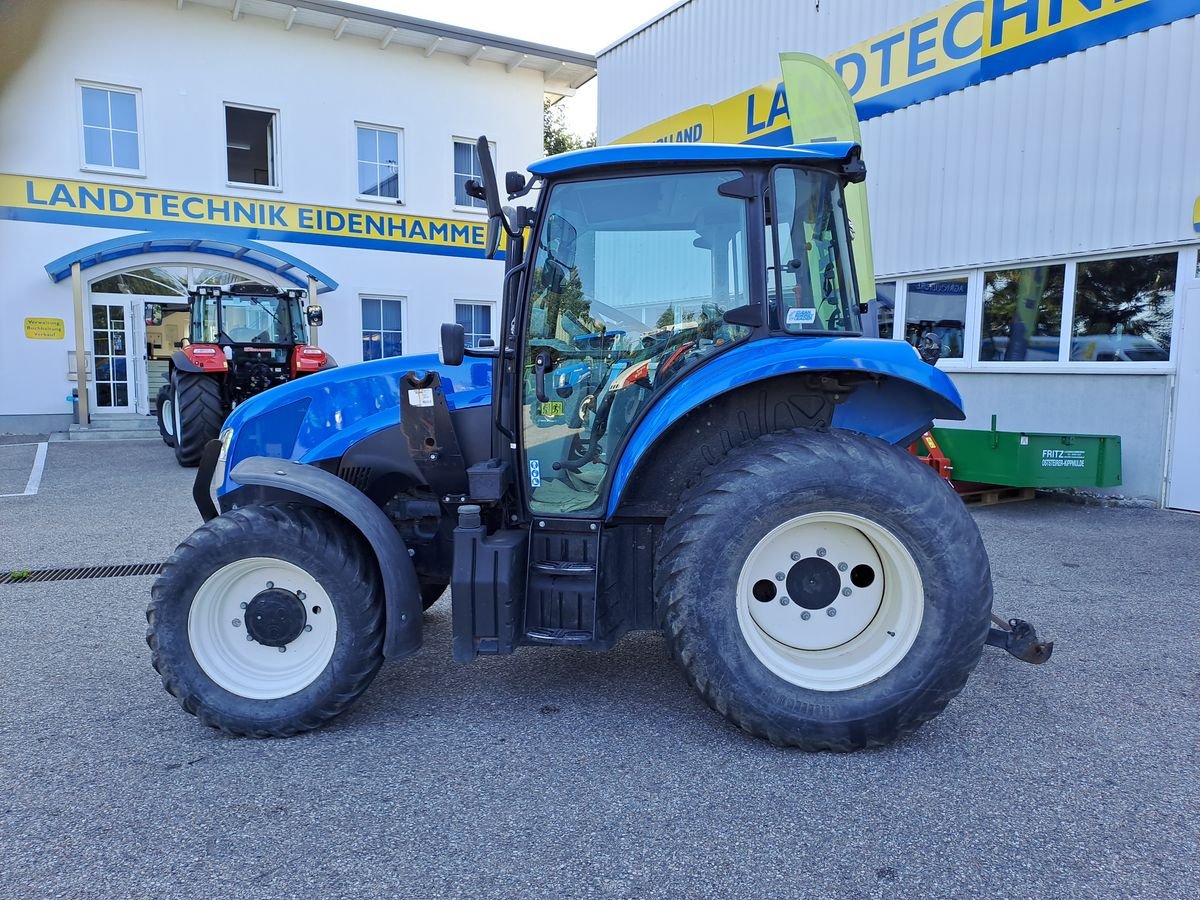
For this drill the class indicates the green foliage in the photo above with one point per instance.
(20, 574)
(556, 137)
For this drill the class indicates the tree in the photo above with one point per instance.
(556, 137)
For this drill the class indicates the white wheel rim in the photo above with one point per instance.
(875, 619)
(218, 634)
(175, 414)
(168, 415)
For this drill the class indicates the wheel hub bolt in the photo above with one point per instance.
(846, 592)
(270, 584)
(831, 612)
(806, 615)
(820, 551)
(779, 576)
(237, 623)
(784, 601)
(249, 637)
(244, 605)
(795, 556)
(300, 595)
(308, 628)
(842, 567)
(283, 649)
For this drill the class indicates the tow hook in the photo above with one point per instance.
(1020, 639)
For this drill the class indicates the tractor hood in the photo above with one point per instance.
(319, 416)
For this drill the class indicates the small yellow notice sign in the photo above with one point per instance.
(45, 329)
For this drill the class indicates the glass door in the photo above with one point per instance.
(113, 383)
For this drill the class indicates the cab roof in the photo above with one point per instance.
(685, 154)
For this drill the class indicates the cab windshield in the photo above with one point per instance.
(811, 283)
(249, 320)
(630, 283)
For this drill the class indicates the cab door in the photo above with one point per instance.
(630, 281)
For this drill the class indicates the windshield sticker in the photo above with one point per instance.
(797, 316)
(535, 473)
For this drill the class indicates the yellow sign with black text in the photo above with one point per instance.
(38, 329)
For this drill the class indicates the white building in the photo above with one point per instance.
(149, 145)
(1047, 140)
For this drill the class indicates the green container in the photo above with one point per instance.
(1028, 459)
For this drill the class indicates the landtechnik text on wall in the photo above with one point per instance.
(964, 43)
(118, 206)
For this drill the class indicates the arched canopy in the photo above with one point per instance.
(249, 253)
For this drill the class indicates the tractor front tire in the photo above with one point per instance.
(268, 620)
(165, 412)
(198, 411)
(824, 590)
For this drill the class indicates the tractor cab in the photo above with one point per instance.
(639, 273)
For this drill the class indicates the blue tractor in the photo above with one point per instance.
(736, 475)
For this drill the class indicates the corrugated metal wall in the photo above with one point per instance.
(1091, 152)
(707, 50)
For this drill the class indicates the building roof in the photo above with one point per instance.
(667, 153)
(563, 70)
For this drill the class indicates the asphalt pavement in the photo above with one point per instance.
(565, 773)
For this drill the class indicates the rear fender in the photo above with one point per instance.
(876, 387)
(203, 358)
(277, 479)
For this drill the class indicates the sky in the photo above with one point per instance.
(586, 25)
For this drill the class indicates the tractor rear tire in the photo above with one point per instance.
(824, 590)
(199, 413)
(165, 413)
(268, 620)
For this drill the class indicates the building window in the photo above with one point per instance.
(250, 148)
(885, 307)
(466, 166)
(476, 320)
(379, 152)
(1123, 309)
(382, 327)
(111, 120)
(937, 308)
(1022, 314)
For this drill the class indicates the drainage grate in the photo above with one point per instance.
(17, 576)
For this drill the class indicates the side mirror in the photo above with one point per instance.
(514, 182)
(154, 314)
(315, 316)
(560, 240)
(179, 344)
(453, 344)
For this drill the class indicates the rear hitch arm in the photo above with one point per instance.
(1020, 639)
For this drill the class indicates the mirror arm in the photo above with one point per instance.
(482, 353)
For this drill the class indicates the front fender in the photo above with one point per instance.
(401, 589)
(903, 402)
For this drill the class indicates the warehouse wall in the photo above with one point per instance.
(1089, 152)
(1066, 403)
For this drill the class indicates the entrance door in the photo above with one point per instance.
(114, 355)
(1183, 485)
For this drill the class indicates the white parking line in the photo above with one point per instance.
(35, 474)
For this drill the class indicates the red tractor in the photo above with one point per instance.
(243, 339)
